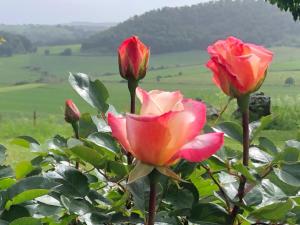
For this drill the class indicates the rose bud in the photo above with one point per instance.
(133, 59)
(72, 113)
(239, 68)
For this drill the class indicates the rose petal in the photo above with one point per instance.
(148, 137)
(184, 126)
(158, 102)
(202, 147)
(118, 128)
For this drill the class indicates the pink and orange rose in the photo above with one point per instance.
(167, 129)
(239, 68)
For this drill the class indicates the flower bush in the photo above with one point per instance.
(163, 165)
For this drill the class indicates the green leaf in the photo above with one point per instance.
(254, 197)
(24, 141)
(289, 173)
(6, 171)
(6, 183)
(208, 214)
(267, 145)
(77, 206)
(271, 192)
(93, 92)
(119, 169)
(140, 192)
(288, 155)
(205, 187)
(101, 124)
(73, 182)
(89, 155)
(257, 126)
(86, 125)
(139, 171)
(28, 189)
(23, 168)
(104, 140)
(274, 212)
(244, 171)
(260, 157)
(15, 212)
(169, 173)
(231, 130)
(26, 221)
(179, 198)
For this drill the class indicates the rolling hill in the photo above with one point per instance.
(195, 27)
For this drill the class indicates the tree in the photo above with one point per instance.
(47, 52)
(67, 52)
(292, 5)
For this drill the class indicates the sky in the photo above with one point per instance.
(65, 11)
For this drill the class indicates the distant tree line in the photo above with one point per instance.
(187, 28)
(44, 35)
(15, 44)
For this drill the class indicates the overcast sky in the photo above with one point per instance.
(65, 11)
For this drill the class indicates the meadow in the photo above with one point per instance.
(39, 83)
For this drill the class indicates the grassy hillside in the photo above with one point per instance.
(184, 71)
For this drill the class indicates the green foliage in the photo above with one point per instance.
(14, 44)
(48, 189)
(292, 5)
(181, 29)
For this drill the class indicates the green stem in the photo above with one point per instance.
(243, 103)
(76, 133)
(132, 85)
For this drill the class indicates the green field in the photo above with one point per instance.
(22, 93)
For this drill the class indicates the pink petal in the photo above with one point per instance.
(184, 126)
(158, 102)
(148, 137)
(202, 147)
(118, 127)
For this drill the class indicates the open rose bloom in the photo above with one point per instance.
(167, 129)
(239, 68)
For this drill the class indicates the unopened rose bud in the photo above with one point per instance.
(133, 59)
(72, 113)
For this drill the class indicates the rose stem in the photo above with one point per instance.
(152, 199)
(132, 85)
(76, 133)
(244, 107)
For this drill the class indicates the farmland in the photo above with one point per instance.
(39, 82)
